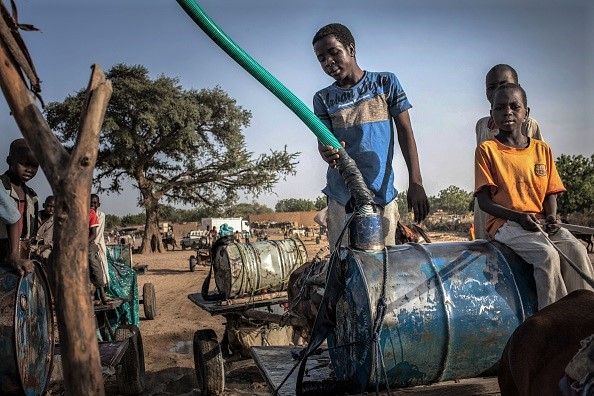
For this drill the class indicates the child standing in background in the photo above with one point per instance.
(100, 238)
(44, 240)
(516, 182)
(22, 167)
(95, 265)
(486, 129)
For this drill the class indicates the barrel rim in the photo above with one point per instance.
(40, 272)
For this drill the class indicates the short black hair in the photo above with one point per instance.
(17, 145)
(503, 67)
(513, 86)
(341, 32)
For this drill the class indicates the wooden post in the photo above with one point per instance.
(70, 176)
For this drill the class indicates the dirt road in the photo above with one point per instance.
(168, 338)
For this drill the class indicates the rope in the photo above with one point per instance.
(577, 269)
(377, 329)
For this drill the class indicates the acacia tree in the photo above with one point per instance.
(294, 205)
(453, 200)
(174, 145)
(577, 173)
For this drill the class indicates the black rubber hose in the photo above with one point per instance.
(354, 181)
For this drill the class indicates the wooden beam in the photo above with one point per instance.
(70, 177)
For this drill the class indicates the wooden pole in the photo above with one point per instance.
(70, 177)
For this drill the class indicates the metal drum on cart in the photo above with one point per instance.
(26, 332)
(450, 309)
(246, 268)
(251, 278)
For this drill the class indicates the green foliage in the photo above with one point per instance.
(174, 145)
(321, 202)
(294, 205)
(577, 173)
(112, 221)
(452, 200)
(243, 210)
(133, 220)
(405, 216)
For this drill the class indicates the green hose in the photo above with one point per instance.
(346, 166)
(259, 73)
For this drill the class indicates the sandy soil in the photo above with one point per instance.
(168, 338)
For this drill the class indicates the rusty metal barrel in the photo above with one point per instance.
(264, 266)
(449, 311)
(26, 332)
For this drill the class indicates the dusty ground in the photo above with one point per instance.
(168, 338)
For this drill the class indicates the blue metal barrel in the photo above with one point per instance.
(450, 309)
(26, 333)
(246, 268)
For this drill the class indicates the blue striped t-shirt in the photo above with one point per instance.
(362, 117)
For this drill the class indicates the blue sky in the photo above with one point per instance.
(439, 50)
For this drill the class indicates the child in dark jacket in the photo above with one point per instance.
(14, 248)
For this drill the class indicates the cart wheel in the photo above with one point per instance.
(193, 263)
(208, 361)
(131, 377)
(149, 301)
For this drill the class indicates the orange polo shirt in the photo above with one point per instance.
(519, 179)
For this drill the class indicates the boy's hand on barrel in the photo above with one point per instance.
(329, 154)
(21, 266)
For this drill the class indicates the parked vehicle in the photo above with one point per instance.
(193, 240)
(237, 223)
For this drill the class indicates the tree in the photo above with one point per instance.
(175, 145)
(321, 202)
(245, 209)
(294, 205)
(402, 201)
(70, 176)
(111, 221)
(453, 200)
(577, 173)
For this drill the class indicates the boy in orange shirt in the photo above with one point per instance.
(486, 129)
(515, 183)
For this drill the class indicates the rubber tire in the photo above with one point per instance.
(131, 378)
(149, 301)
(318, 240)
(208, 362)
(193, 263)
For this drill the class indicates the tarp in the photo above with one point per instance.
(123, 283)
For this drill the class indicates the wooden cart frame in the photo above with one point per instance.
(210, 362)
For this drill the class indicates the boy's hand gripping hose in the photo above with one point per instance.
(348, 169)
